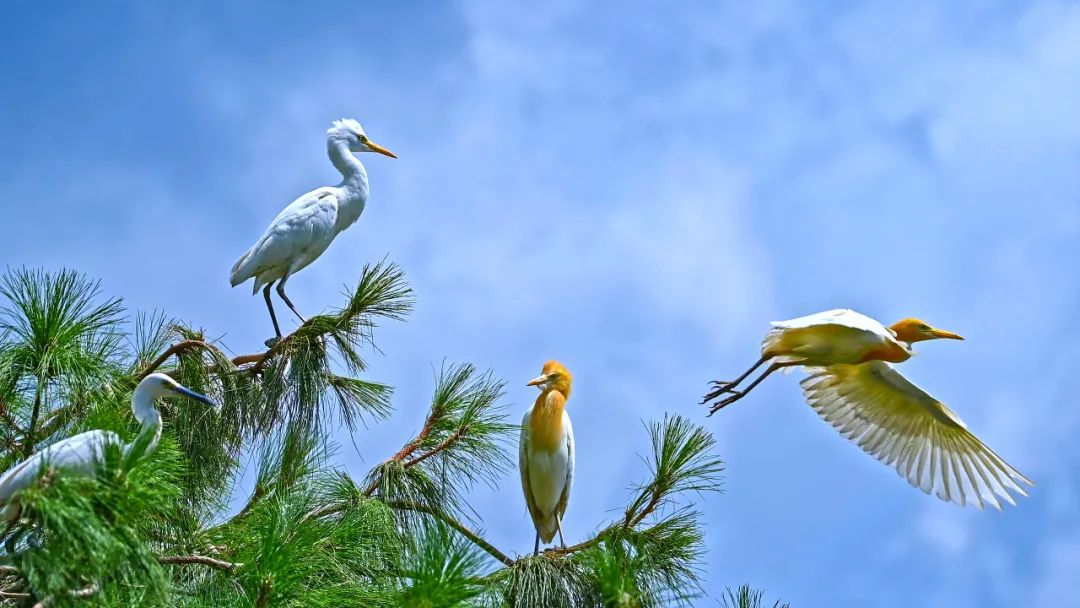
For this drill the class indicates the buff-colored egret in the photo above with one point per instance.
(82, 454)
(546, 453)
(303, 231)
(852, 387)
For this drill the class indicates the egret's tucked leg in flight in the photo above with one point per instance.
(82, 454)
(721, 386)
(304, 229)
(852, 386)
(546, 454)
(729, 387)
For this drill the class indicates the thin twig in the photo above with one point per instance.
(410, 447)
(439, 448)
(260, 491)
(630, 521)
(175, 349)
(79, 594)
(455, 524)
(405, 452)
(203, 560)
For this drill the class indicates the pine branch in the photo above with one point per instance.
(203, 560)
(456, 525)
(173, 350)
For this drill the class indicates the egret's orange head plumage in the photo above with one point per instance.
(554, 376)
(915, 330)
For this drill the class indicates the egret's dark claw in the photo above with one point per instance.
(720, 388)
(271, 342)
(735, 396)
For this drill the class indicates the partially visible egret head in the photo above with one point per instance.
(352, 134)
(554, 376)
(159, 385)
(915, 330)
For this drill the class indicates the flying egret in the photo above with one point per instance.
(546, 453)
(82, 454)
(300, 233)
(852, 387)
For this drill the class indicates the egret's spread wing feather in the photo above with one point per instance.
(301, 232)
(565, 498)
(904, 427)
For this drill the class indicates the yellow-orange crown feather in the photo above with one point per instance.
(560, 377)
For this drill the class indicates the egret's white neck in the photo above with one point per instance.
(142, 406)
(346, 162)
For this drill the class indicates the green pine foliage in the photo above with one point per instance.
(157, 530)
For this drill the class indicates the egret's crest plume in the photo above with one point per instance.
(345, 124)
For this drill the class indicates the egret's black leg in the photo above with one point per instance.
(270, 307)
(736, 395)
(536, 545)
(721, 387)
(288, 302)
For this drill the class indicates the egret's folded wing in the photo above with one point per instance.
(523, 467)
(904, 427)
(565, 498)
(308, 222)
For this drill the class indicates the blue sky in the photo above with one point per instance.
(636, 189)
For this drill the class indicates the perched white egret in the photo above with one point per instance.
(852, 387)
(82, 454)
(546, 453)
(300, 233)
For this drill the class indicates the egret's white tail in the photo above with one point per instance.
(546, 527)
(239, 273)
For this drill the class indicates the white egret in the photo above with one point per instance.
(82, 454)
(852, 387)
(546, 453)
(304, 229)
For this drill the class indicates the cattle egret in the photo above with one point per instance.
(852, 386)
(546, 454)
(300, 233)
(82, 454)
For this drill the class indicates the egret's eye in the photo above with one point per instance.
(924, 327)
(362, 138)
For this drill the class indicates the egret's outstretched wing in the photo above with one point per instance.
(301, 232)
(565, 498)
(904, 427)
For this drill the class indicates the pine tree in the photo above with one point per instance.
(157, 531)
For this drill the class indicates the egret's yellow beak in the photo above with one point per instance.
(941, 333)
(377, 148)
(537, 381)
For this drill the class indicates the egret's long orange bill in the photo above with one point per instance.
(941, 333)
(381, 150)
(537, 381)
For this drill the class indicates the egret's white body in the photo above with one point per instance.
(853, 387)
(546, 454)
(304, 229)
(82, 454)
